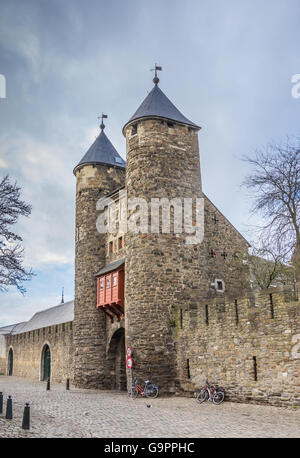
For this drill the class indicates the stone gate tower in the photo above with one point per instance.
(99, 172)
(162, 162)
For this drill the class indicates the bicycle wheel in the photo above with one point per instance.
(152, 393)
(202, 396)
(133, 392)
(218, 397)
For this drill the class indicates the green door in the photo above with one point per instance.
(47, 363)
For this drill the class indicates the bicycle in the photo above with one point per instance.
(150, 390)
(215, 394)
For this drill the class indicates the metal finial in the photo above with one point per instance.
(103, 116)
(156, 79)
(62, 296)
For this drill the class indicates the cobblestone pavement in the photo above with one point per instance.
(91, 413)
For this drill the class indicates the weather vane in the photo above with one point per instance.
(103, 116)
(156, 79)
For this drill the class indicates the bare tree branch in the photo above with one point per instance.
(12, 273)
(274, 181)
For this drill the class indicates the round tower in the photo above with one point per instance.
(100, 171)
(162, 163)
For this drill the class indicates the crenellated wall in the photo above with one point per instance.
(251, 346)
(28, 347)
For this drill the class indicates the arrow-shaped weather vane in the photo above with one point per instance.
(103, 116)
(157, 68)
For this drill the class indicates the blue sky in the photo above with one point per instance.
(227, 66)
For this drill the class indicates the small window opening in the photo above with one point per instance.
(120, 243)
(170, 124)
(219, 286)
(111, 247)
(107, 283)
(134, 129)
(181, 318)
(115, 280)
(101, 284)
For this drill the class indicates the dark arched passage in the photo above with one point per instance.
(116, 361)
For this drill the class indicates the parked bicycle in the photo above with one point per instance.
(150, 390)
(215, 394)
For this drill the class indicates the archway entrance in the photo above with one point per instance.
(10, 361)
(116, 361)
(46, 363)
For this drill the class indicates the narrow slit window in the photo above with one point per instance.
(255, 368)
(271, 306)
(111, 247)
(181, 318)
(206, 315)
(188, 368)
(236, 312)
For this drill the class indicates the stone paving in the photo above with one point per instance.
(90, 413)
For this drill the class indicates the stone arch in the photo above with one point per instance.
(45, 366)
(10, 361)
(116, 360)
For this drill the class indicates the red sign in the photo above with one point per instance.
(129, 363)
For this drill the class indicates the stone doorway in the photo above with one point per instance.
(10, 361)
(117, 361)
(46, 363)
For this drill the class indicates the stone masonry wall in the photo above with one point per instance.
(93, 182)
(27, 352)
(162, 162)
(251, 346)
(161, 270)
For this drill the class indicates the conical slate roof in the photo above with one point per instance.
(102, 152)
(157, 104)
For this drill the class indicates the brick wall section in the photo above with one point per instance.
(27, 350)
(90, 253)
(220, 347)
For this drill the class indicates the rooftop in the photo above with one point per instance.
(157, 105)
(102, 152)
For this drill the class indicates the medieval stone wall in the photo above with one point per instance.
(161, 269)
(27, 352)
(251, 346)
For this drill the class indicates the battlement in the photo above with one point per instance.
(250, 345)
